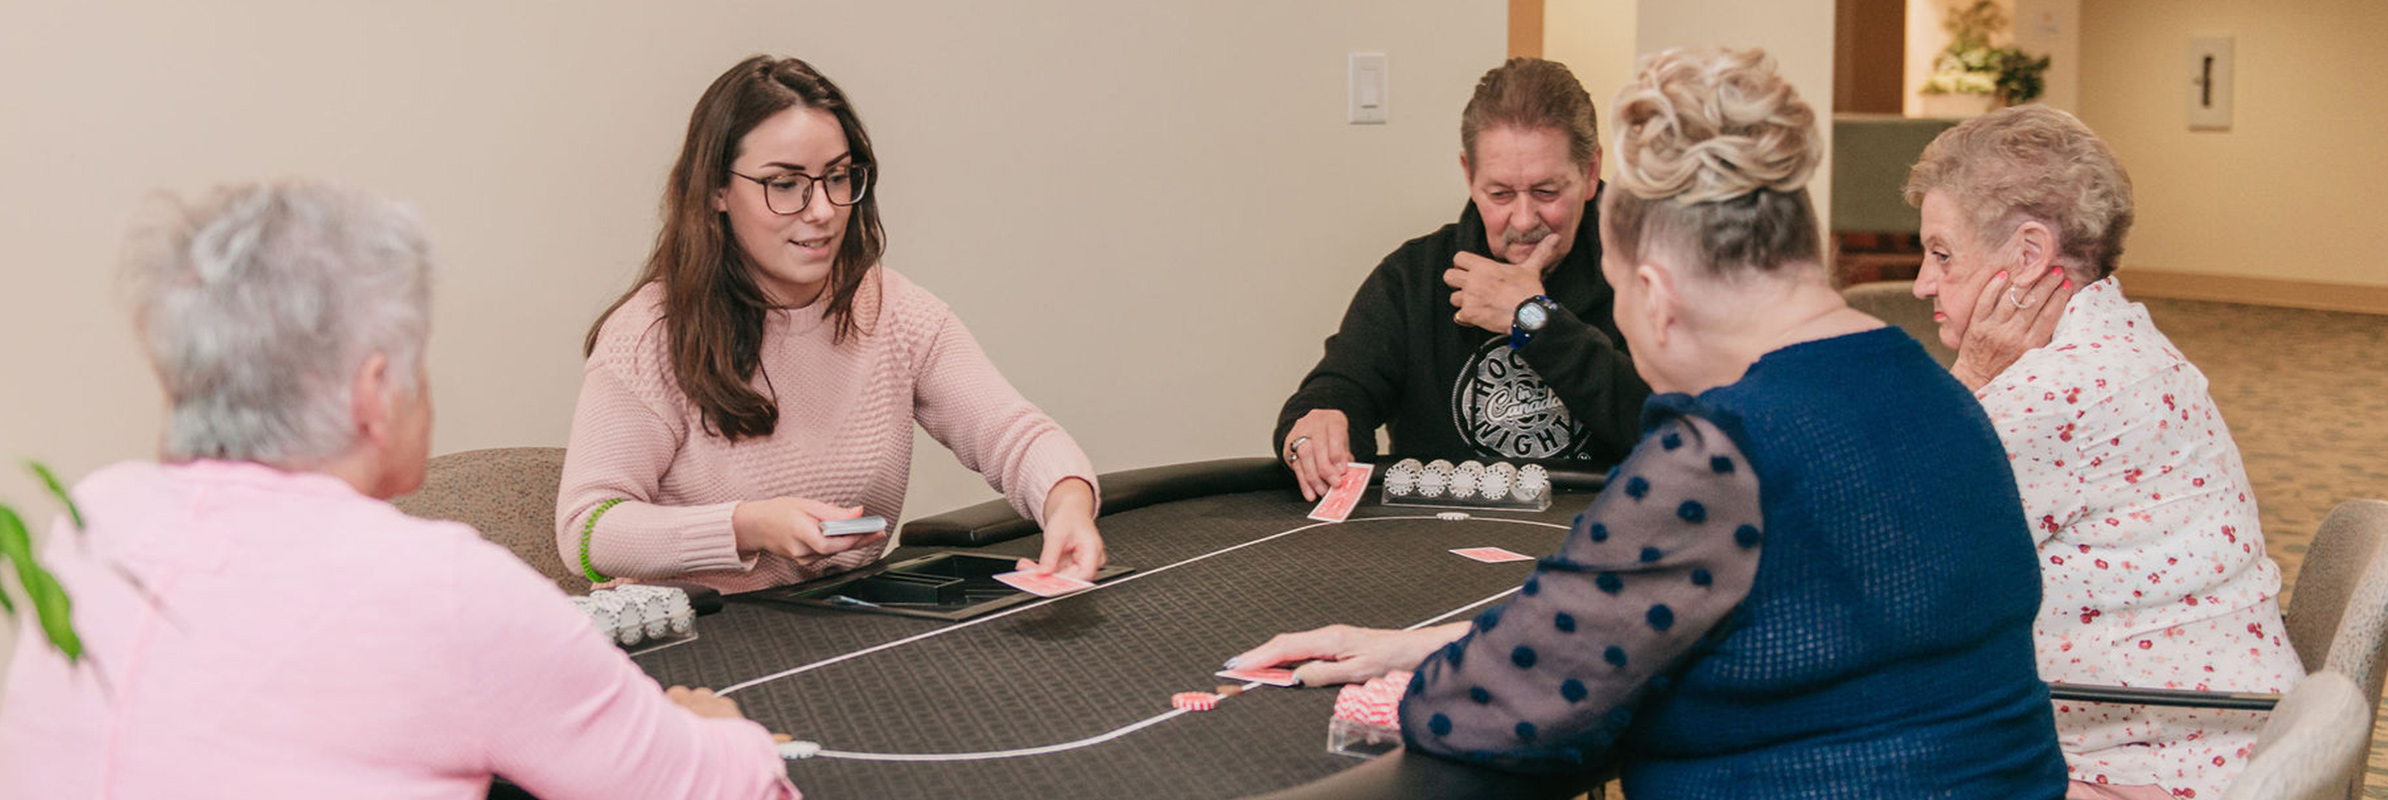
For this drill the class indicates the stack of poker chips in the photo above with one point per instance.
(1367, 719)
(1497, 485)
(1194, 701)
(632, 614)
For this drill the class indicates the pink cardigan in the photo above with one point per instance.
(252, 633)
(846, 412)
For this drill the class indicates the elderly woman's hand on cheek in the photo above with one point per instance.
(2010, 319)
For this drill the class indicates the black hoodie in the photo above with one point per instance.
(1569, 397)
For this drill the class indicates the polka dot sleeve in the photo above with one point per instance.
(1549, 680)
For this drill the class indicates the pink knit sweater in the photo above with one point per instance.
(257, 634)
(844, 437)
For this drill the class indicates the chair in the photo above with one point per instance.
(2337, 621)
(1895, 302)
(2315, 740)
(506, 493)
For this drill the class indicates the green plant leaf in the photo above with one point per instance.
(55, 611)
(50, 604)
(16, 543)
(57, 489)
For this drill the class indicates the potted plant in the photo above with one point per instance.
(1970, 77)
(50, 605)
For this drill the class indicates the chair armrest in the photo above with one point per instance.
(995, 521)
(2181, 698)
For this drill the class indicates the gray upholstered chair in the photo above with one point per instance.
(2337, 620)
(506, 493)
(1895, 302)
(2314, 742)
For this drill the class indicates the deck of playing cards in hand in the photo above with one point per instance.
(1439, 484)
(1338, 504)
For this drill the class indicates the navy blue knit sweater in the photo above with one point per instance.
(1880, 648)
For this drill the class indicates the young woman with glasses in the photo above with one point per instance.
(764, 372)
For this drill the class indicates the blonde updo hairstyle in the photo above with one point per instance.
(2032, 163)
(1714, 153)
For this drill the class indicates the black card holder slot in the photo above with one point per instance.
(909, 588)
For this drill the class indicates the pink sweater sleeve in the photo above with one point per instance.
(967, 405)
(622, 442)
(565, 714)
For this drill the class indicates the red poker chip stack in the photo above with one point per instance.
(1377, 702)
(1194, 701)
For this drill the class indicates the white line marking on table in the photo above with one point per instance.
(803, 749)
(1131, 577)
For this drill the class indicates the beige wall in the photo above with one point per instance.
(1603, 40)
(1595, 39)
(1150, 213)
(1798, 33)
(2295, 189)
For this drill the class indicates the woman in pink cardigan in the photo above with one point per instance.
(764, 372)
(260, 624)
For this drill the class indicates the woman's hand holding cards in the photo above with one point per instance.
(791, 527)
(1345, 654)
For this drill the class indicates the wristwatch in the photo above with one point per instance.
(1531, 315)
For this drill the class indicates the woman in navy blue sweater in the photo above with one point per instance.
(1811, 579)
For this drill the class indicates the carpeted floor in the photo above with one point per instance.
(2306, 395)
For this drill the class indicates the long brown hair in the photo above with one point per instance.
(713, 311)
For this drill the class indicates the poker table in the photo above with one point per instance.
(1070, 696)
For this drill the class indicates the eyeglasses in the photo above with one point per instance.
(789, 193)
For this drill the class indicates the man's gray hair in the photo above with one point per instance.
(257, 306)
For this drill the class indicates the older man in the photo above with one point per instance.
(1490, 337)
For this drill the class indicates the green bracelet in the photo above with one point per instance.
(586, 530)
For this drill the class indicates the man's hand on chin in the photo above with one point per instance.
(1487, 292)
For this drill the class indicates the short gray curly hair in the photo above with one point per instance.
(258, 303)
(2032, 162)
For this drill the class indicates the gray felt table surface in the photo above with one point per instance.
(1086, 664)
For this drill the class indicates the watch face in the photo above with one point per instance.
(1531, 316)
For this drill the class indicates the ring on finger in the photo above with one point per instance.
(1293, 450)
(2016, 299)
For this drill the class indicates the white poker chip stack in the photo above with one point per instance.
(1436, 479)
(1532, 482)
(1489, 484)
(1402, 479)
(1493, 484)
(634, 614)
(1463, 479)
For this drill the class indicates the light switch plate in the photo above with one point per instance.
(1368, 91)
(2210, 83)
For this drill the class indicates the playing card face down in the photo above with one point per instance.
(1491, 555)
(1043, 584)
(1271, 676)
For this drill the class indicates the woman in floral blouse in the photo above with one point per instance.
(2153, 564)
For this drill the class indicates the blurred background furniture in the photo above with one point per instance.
(506, 493)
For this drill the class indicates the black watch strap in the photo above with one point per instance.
(1519, 334)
